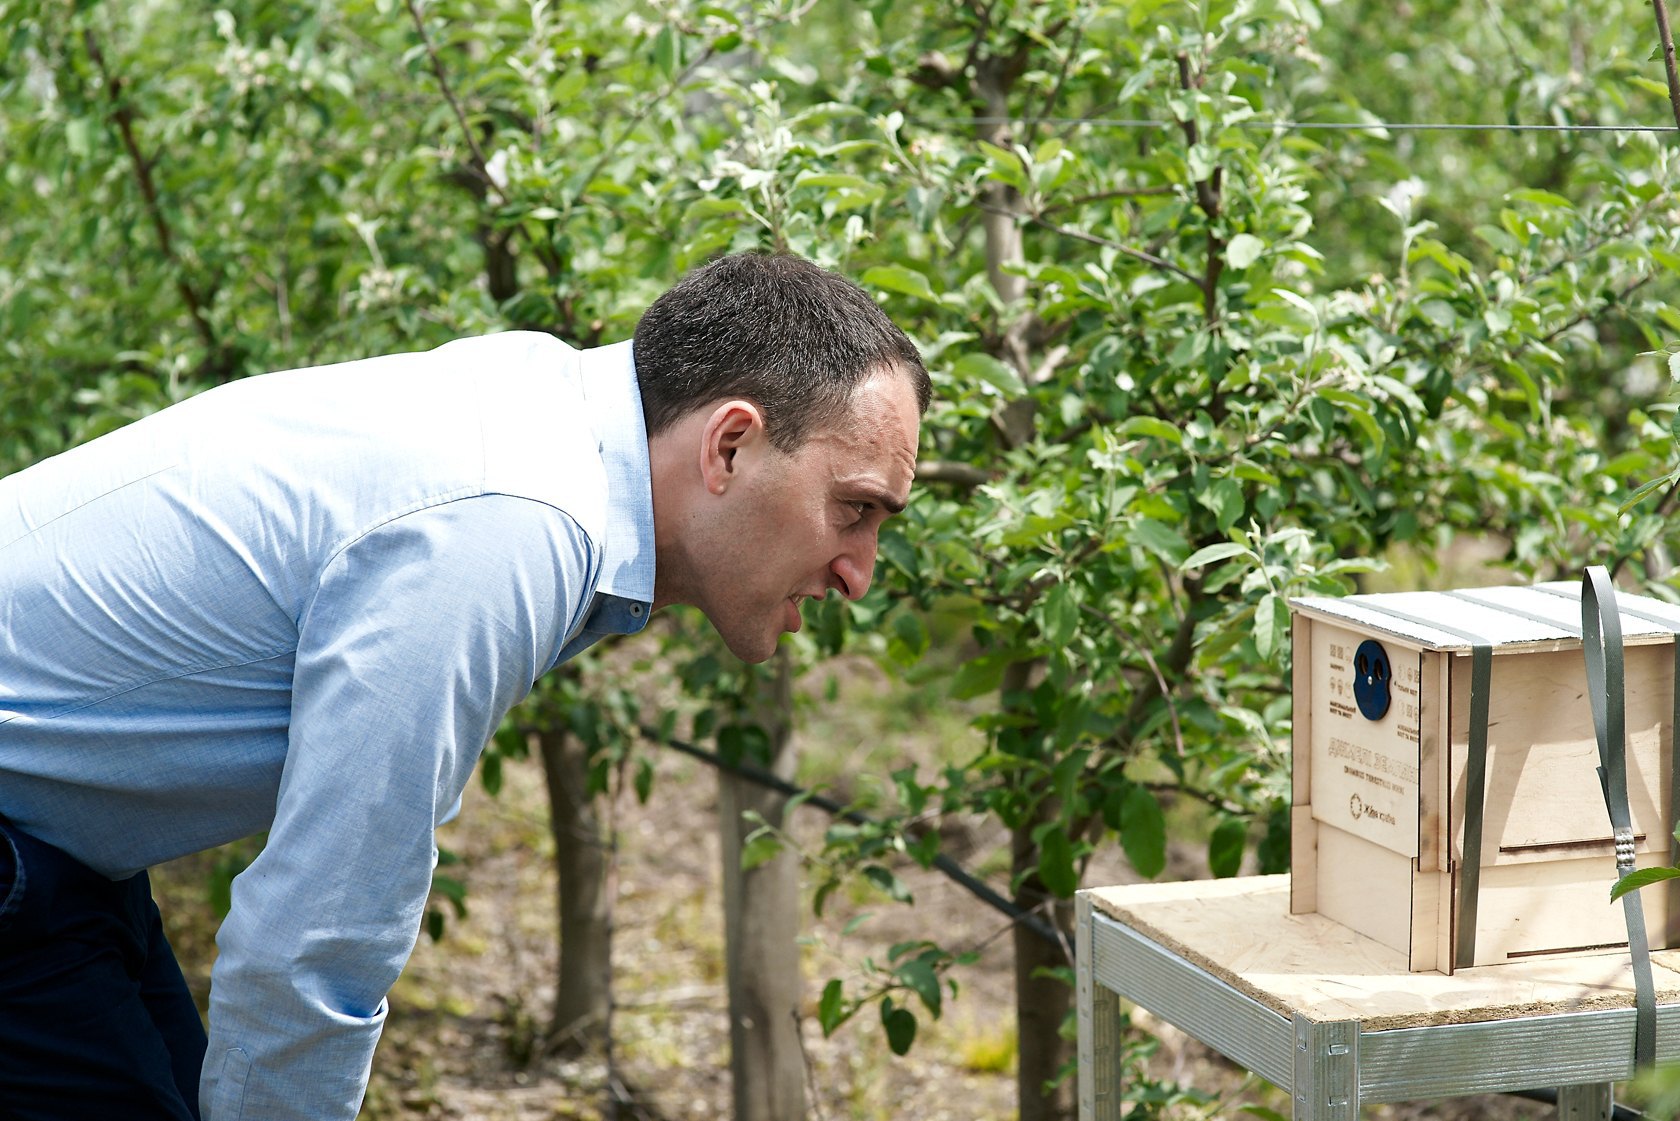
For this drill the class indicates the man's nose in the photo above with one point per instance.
(851, 571)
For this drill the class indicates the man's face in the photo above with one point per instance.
(793, 525)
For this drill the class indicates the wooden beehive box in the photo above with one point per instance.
(1379, 789)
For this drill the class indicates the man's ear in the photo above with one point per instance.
(733, 426)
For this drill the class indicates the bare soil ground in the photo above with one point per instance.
(462, 1040)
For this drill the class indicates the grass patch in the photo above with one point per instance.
(988, 1048)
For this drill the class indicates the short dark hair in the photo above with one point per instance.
(794, 338)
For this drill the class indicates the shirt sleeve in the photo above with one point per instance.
(420, 636)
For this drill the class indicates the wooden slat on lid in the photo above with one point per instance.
(1644, 618)
(1407, 615)
(1513, 619)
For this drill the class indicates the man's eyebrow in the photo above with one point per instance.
(881, 498)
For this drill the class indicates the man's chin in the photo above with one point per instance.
(750, 648)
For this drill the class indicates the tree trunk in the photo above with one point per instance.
(583, 1000)
(1042, 1002)
(1042, 999)
(761, 929)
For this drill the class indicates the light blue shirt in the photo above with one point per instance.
(302, 602)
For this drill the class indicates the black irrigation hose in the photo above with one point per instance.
(951, 869)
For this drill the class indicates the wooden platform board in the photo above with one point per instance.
(1241, 931)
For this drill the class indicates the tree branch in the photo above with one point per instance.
(1668, 58)
(1117, 193)
(675, 84)
(1164, 689)
(1209, 798)
(123, 114)
(1047, 108)
(479, 164)
(1208, 192)
(498, 270)
(1582, 317)
(1093, 239)
(964, 475)
(1178, 658)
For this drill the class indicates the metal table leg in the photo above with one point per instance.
(1591, 1101)
(1326, 1070)
(1099, 1033)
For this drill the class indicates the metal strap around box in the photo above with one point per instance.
(1475, 778)
(1602, 647)
(1572, 592)
(1601, 640)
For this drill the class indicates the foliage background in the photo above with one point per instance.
(1193, 355)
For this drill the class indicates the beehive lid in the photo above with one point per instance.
(1512, 619)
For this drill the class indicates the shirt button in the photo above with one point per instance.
(636, 610)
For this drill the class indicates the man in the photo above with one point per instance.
(302, 602)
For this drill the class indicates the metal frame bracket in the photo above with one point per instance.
(1326, 1086)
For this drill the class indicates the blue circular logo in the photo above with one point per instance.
(1372, 675)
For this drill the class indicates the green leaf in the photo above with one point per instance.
(1161, 539)
(490, 772)
(831, 1008)
(1055, 863)
(979, 675)
(1633, 881)
(712, 207)
(1547, 198)
(1143, 832)
(78, 137)
(1207, 555)
(1006, 166)
(887, 882)
(1225, 498)
(1646, 490)
(925, 849)
(833, 179)
(897, 278)
(1061, 616)
(910, 636)
(1649, 86)
(1298, 301)
(667, 51)
(1141, 11)
(900, 1024)
(1225, 847)
(1271, 625)
(919, 977)
(761, 848)
(453, 890)
(1153, 427)
(999, 375)
(1244, 250)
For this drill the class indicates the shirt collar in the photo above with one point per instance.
(608, 380)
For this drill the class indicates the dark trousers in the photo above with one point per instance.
(95, 1018)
